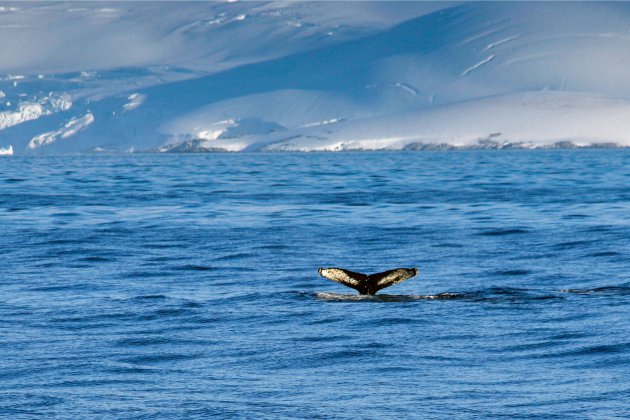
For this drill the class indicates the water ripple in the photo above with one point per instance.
(186, 286)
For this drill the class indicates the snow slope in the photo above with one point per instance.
(562, 119)
(280, 76)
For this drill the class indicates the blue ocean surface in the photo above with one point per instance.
(186, 286)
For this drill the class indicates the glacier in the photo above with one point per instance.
(119, 77)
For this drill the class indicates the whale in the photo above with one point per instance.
(367, 284)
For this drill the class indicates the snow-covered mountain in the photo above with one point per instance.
(282, 76)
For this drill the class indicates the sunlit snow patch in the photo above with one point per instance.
(228, 135)
(135, 100)
(71, 128)
(28, 111)
(524, 120)
(326, 122)
(250, 126)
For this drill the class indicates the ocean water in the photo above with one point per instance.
(186, 286)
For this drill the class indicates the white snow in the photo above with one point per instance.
(72, 127)
(479, 64)
(326, 122)
(135, 100)
(26, 111)
(500, 42)
(57, 37)
(497, 122)
(6, 151)
(195, 76)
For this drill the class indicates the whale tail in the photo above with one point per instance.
(368, 284)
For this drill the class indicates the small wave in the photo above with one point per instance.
(445, 296)
(576, 216)
(193, 267)
(126, 368)
(596, 350)
(163, 313)
(397, 321)
(273, 247)
(604, 254)
(493, 294)
(96, 259)
(143, 341)
(62, 241)
(512, 294)
(572, 244)
(599, 229)
(150, 274)
(158, 358)
(163, 245)
(513, 272)
(605, 348)
(15, 402)
(62, 287)
(605, 290)
(323, 338)
(236, 256)
(447, 245)
(341, 356)
(503, 232)
(67, 214)
(341, 297)
(149, 297)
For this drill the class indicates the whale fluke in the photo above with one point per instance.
(368, 284)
